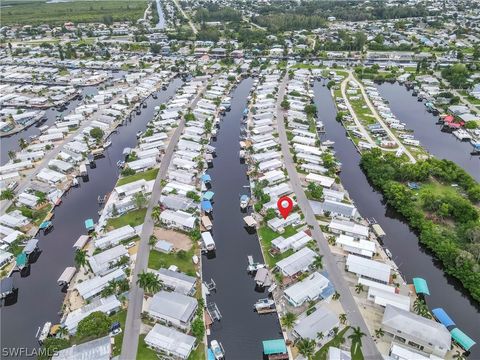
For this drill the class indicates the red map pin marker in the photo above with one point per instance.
(285, 205)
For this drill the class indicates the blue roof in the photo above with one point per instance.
(421, 286)
(208, 195)
(443, 317)
(89, 224)
(206, 205)
(276, 346)
(45, 225)
(206, 178)
(211, 356)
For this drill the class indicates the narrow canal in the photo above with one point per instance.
(241, 330)
(39, 297)
(161, 16)
(413, 113)
(411, 258)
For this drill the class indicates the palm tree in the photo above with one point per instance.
(288, 320)
(342, 318)
(62, 331)
(156, 214)
(22, 143)
(336, 295)
(306, 347)
(7, 194)
(149, 282)
(356, 337)
(459, 356)
(379, 333)
(320, 335)
(318, 262)
(42, 200)
(359, 288)
(12, 154)
(80, 258)
(335, 330)
(140, 200)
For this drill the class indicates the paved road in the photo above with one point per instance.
(350, 307)
(194, 29)
(380, 120)
(133, 322)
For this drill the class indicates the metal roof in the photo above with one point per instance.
(174, 305)
(421, 286)
(170, 340)
(462, 339)
(443, 317)
(276, 346)
(99, 349)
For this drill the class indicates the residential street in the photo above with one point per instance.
(369, 348)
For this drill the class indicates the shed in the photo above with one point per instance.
(163, 246)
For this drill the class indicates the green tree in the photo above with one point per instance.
(306, 347)
(80, 258)
(22, 143)
(140, 200)
(356, 338)
(198, 328)
(288, 320)
(149, 282)
(51, 345)
(156, 211)
(359, 288)
(95, 325)
(343, 318)
(97, 133)
(7, 194)
(318, 262)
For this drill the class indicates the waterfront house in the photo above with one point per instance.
(177, 281)
(114, 237)
(415, 331)
(94, 286)
(178, 220)
(177, 202)
(324, 181)
(321, 320)
(278, 225)
(296, 263)
(108, 305)
(106, 261)
(370, 269)
(50, 176)
(134, 187)
(170, 341)
(361, 247)
(309, 289)
(172, 308)
(14, 219)
(142, 164)
(333, 208)
(383, 298)
(98, 349)
(294, 242)
(27, 199)
(8, 235)
(60, 165)
(349, 228)
(5, 257)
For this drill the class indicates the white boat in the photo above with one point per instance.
(252, 265)
(264, 304)
(139, 133)
(389, 254)
(195, 259)
(45, 332)
(107, 144)
(244, 200)
(217, 350)
(272, 288)
(75, 182)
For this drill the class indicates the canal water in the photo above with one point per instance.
(39, 298)
(241, 330)
(161, 16)
(411, 258)
(413, 113)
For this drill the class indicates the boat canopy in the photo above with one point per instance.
(421, 286)
(250, 221)
(211, 356)
(30, 246)
(271, 347)
(67, 275)
(378, 230)
(44, 225)
(206, 205)
(208, 195)
(206, 178)
(443, 317)
(462, 339)
(21, 260)
(244, 198)
(89, 224)
(80, 243)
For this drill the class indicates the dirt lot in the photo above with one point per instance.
(180, 241)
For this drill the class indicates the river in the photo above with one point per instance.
(39, 297)
(241, 330)
(161, 16)
(411, 258)
(414, 113)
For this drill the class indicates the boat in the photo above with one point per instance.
(252, 265)
(120, 164)
(328, 143)
(217, 349)
(154, 95)
(272, 288)
(45, 225)
(144, 105)
(389, 254)
(195, 259)
(244, 200)
(44, 332)
(264, 304)
(107, 144)
(139, 133)
(75, 182)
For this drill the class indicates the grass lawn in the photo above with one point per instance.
(121, 316)
(143, 352)
(266, 236)
(132, 218)
(147, 175)
(36, 216)
(41, 12)
(336, 341)
(198, 353)
(185, 264)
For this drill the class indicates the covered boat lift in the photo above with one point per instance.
(275, 349)
(81, 242)
(66, 276)
(421, 286)
(462, 339)
(250, 221)
(89, 225)
(443, 317)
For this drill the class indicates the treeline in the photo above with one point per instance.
(289, 22)
(457, 245)
(213, 12)
(457, 75)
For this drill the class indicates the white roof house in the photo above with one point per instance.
(297, 262)
(309, 289)
(324, 181)
(114, 237)
(382, 298)
(104, 262)
(170, 341)
(432, 336)
(348, 228)
(172, 307)
(278, 225)
(177, 281)
(50, 176)
(178, 219)
(321, 320)
(295, 242)
(98, 349)
(92, 287)
(369, 269)
(106, 305)
(360, 247)
(14, 219)
(132, 188)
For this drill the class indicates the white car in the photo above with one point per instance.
(130, 244)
